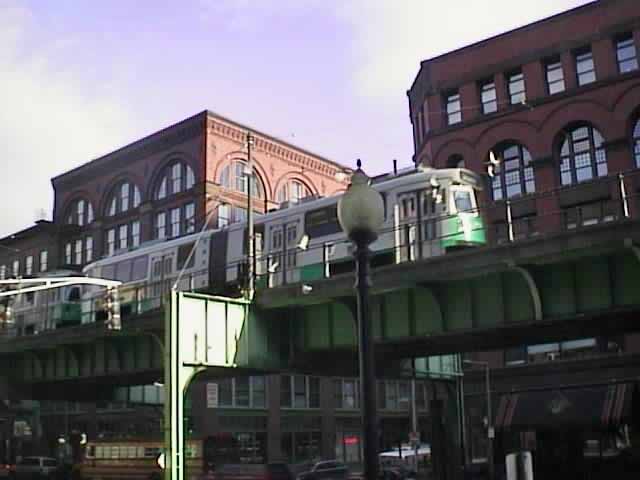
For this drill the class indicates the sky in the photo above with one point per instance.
(79, 79)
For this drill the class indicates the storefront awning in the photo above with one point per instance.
(597, 407)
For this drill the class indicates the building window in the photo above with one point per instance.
(68, 258)
(16, 268)
(77, 259)
(124, 197)
(582, 155)
(135, 233)
(455, 161)
(292, 191)
(636, 142)
(177, 177)
(88, 249)
(516, 88)
(239, 214)
(626, 54)
(513, 175)
(488, 97)
(234, 177)
(123, 236)
(80, 213)
(190, 218)
(44, 261)
(454, 108)
(3, 272)
(161, 225)
(555, 77)
(346, 393)
(224, 215)
(299, 391)
(174, 222)
(585, 68)
(28, 265)
(111, 241)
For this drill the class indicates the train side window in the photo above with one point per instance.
(123, 271)
(183, 254)
(140, 267)
(276, 238)
(322, 221)
(109, 272)
(407, 206)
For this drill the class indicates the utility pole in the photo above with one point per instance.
(250, 242)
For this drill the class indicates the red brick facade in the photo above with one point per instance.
(199, 148)
(610, 104)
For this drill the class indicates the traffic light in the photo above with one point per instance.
(112, 308)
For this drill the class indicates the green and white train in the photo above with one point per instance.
(427, 213)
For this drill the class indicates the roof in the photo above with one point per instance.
(39, 227)
(199, 116)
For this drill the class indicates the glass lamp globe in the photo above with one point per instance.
(361, 209)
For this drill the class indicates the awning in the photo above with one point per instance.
(596, 406)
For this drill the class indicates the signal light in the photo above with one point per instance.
(112, 307)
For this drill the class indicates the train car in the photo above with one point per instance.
(427, 213)
(148, 273)
(36, 312)
(134, 460)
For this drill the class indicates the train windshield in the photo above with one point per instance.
(463, 201)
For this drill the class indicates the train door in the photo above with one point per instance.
(291, 255)
(161, 276)
(275, 256)
(406, 213)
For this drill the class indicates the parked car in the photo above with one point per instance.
(36, 467)
(327, 469)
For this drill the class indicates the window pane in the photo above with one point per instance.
(242, 391)
(488, 97)
(516, 88)
(626, 53)
(454, 114)
(585, 68)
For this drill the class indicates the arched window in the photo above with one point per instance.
(80, 212)
(455, 161)
(292, 191)
(234, 177)
(124, 196)
(513, 173)
(582, 155)
(176, 177)
(636, 142)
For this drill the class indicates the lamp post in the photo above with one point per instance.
(490, 431)
(361, 213)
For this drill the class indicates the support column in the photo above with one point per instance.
(274, 423)
(328, 425)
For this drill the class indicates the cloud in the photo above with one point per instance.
(391, 38)
(51, 118)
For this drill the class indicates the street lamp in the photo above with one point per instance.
(361, 214)
(490, 431)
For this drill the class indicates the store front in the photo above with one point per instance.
(572, 432)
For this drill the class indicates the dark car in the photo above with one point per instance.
(327, 469)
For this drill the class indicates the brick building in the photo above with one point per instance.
(550, 113)
(167, 184)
